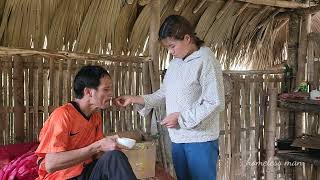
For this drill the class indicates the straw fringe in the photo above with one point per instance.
(238, 32)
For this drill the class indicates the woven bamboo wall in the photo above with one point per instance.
(32, 87)
(44, 83)
(242, 136)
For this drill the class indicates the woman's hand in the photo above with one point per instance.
(171, 121)
(123, 101)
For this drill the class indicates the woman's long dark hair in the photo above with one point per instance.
(175, 26)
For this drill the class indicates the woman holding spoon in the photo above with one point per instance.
(193, 93)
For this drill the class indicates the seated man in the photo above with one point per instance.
(72, 145)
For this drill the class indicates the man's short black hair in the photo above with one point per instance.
(88, 77)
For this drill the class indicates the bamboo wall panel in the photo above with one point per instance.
(33, 86)
(242, 138)
(48, 84)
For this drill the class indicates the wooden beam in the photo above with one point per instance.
(302, 50)
(154, 45)
(270, 133)
(18, 98)
(277, 3)
(7, 52)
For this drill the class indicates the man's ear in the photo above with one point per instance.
(87, 92)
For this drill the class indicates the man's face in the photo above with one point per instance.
(103, 94)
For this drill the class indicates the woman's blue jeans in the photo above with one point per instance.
(195, 161)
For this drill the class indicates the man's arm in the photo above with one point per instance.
(62, 160)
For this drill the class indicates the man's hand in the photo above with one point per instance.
(109, 143)
(60, 160)
(171, 121)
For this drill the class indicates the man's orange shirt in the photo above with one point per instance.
(66, 129)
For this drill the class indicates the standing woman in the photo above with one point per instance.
(193, 92)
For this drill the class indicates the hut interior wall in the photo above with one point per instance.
(242, 125)
(47, 83)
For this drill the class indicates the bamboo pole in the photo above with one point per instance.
(294, 27)
(247, 126)
(36, 103)
(222, 144)
(312, 76)
(51, 80)
(45, 81)
(29, 101)
(270, 134)
(5, 101)
(243, 131)
(39, 62)
(257, 72)
(302, 50)
(129, 82)
(122, 91)
(254, 138)
(260, 127)
(235, 130)
(293, 41)
(277, 3)
(10, 103)
(2, 120)
(4, 52)
(117, 78)
(18, 95)
(153, 41)
(68, 81)
(138, 91)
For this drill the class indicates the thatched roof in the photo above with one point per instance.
(240, 32)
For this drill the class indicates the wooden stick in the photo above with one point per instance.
(153, 42)
(235, 130)
(302, 50)
(249, 133)
(18, 95)
(5, 52)
(277, 3)
(2, 120)
(254, 72)
(270, 134)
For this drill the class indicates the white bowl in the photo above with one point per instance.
(127, 142)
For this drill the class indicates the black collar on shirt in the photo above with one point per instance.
(76, 105)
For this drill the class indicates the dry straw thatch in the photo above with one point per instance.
(239, 32)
